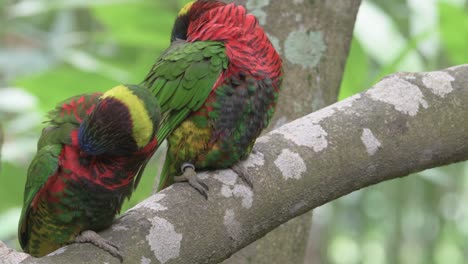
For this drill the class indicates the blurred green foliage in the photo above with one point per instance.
(51, 50)
(418, 219)
(454, 32)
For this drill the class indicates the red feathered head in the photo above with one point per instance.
(189, 13)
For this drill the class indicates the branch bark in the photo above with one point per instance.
(407, 122)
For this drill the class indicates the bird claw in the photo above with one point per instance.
(242, 173)
(89, 236)
(189, 175)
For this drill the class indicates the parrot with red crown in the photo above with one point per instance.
(217, 86)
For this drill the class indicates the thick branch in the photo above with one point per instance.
(9, 256)
(406, 123)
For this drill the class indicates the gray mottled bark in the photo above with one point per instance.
(9, 256)
(313, 38)
(406, 123)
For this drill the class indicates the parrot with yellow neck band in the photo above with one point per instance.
(89, 159)
(217, 85)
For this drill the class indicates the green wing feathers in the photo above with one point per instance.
(182, 78)
(62, 120)
(43, 166)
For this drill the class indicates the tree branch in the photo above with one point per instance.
(406, 123)
(9, 256)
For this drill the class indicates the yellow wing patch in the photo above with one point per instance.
(186, 8)
(189, 141)
(142, 125)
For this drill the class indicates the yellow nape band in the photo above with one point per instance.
(142, 125)
(186, 8)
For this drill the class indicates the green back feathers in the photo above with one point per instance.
(182, 78)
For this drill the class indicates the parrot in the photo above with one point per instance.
(89, 158)
(217, 85)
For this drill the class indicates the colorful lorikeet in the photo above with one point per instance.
(217, 85)
(89, 159)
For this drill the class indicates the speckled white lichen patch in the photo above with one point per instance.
(145, 260)
(346, 103)
(255, 8)
(262, 139)
(370, 141)
(318, 138)
(410, 76)
(329, 111)
(233, 226)
(319, 143)
(440, 83)
(322, 114)
(119, 227)
(227, 177)
(230, 188)
(303, 132)
(256, 159)
(305, 48)
(403, 95)
(226, 191)
(203, 175)
(58, 251)
(291, 164)
(152, 203)
(238, 191)
(164, 240)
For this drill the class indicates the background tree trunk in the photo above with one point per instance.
(313, 38)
